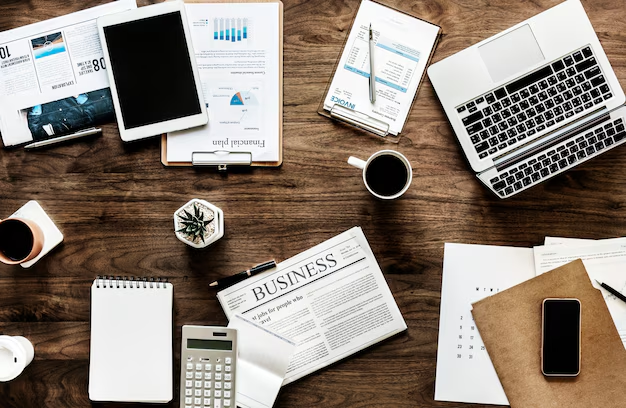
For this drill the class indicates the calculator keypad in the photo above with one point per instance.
(208, 385)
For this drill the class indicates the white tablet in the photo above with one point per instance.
(152, 70)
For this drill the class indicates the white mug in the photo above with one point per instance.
(402, 177)
(16, 352)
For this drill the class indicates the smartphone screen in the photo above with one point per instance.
(561, 337)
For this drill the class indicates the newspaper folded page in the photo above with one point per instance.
(53, 78)
(262, 360)
(332, 300)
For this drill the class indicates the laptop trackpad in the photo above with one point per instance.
(511, 53)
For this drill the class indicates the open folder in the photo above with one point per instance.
(239, 52)
(510, 326)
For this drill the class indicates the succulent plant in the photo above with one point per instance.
(194, 225)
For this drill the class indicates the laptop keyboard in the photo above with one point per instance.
(506, 117)
(562, 156)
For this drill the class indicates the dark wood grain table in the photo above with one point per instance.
(114, 204)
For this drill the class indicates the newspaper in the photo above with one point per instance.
(332, 300)
(53, 78)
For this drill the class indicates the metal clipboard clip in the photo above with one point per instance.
(360, 120)
(221, 158)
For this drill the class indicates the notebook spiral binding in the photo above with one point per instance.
(130, 282)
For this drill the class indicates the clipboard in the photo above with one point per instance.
(225, 158)
(359, 119)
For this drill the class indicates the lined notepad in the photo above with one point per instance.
(131, 341)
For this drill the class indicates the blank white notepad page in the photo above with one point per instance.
(131, 342)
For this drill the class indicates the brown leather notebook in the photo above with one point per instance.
(510, 326)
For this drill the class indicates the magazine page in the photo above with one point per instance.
(332, 300)
(53, 78)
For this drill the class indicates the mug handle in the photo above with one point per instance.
(356, 162)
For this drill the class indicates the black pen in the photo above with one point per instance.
(613, 291)
(231, 280)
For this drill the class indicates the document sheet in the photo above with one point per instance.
(53, 78)
(402, 48)
(332, 300)
(237, 49)
(263, 358)
(605, 260)
(470, 273)
(578, 241)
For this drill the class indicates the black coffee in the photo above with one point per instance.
(386, 175)
(16, 239)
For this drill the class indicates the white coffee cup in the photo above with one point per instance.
(16, 353)
(399, 180)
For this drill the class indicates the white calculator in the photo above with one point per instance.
(208, 367)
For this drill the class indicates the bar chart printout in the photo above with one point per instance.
(240, 74)
(231, 29)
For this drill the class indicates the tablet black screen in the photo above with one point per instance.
(152, 70)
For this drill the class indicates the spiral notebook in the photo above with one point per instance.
(130, 358)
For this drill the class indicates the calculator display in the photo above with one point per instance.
(209, 344)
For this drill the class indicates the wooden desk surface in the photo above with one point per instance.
(114, 204)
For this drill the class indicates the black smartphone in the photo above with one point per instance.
(560, 337)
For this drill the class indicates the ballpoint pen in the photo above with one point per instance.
(372, 77)
(613, 291)
(77, 135)
(231, 280)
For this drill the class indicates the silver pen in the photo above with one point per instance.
(77, 135)
(372, 76)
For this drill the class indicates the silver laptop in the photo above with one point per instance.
(533, 101)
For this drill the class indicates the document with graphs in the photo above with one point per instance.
(238, 50)
(401, 51)
(331, 300)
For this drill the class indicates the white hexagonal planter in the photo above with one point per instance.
(188, 215)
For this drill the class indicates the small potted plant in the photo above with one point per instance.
(199, 223)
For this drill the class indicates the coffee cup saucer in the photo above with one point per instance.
(52, 236)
